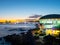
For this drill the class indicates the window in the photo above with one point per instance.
(48, 26)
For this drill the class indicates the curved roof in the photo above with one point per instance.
(50, 16)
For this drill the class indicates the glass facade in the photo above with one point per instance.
(49, 23)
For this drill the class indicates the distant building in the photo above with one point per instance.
(11, 21)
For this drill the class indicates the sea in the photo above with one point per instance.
(4, 28)
(9, 29)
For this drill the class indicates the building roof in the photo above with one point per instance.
(50, 16)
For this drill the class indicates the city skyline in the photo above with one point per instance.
(23, 8)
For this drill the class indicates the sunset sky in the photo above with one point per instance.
(25, 8)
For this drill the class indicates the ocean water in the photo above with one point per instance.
(14, 29)
(5, 27)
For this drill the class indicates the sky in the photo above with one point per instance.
(25, 8)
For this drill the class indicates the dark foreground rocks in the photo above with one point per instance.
(23, 39)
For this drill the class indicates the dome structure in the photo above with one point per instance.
(50, 16)
(50, 20)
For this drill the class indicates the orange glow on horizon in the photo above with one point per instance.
(12, 20)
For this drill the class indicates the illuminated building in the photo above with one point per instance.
(49, 21)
